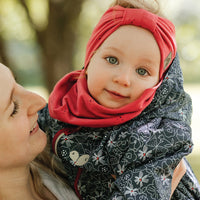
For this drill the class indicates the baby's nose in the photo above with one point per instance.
(123, 78)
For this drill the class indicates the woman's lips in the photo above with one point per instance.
(34, 129)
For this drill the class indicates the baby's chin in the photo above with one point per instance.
(114, 105)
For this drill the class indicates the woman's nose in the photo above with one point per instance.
(35, 102)
(123, 77)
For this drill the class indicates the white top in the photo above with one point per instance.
(57, 188)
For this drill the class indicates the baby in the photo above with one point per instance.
(121, 125)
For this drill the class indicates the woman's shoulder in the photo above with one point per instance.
(57, 187)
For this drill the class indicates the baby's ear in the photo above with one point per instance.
(167, 61)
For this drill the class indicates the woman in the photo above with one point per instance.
(21, 141)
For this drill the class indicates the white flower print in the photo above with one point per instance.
(98, 194)
(120, 169)
(110, 185)
(170, 100)
(144, 153)
(117, 198)
(111, 142)
(98, 158)
(81, 188)
(94, 135)
(141, 179)
(131, 191)
(188, 146)
(192, 186)
(164, 179)
(67, 140)
(170, 77)
(182, 114)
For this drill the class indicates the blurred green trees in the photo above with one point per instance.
(41, 40)
(39, 33)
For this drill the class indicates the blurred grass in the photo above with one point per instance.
(194, 160)
(194, 157)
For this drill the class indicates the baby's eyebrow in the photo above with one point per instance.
(113, 48)
(150, 61)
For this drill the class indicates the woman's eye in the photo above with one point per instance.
(112, 60)
(15, 109)
(142, 71)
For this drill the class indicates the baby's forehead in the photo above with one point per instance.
(137, 40)
(135, 31)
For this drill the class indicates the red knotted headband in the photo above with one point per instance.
(162, 29)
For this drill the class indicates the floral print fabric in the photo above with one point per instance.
(134, 160)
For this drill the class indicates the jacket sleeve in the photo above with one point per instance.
(150, 181)
(148, 165)
(46, 123)
(43, 118)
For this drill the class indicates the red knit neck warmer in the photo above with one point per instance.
(70, 100)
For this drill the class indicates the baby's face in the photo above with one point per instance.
(125, 65)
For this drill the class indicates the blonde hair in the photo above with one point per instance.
(150, 5)
(49, 163)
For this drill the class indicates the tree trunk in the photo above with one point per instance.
(58, 40)
(3, 57)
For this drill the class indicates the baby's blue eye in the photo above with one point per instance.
(112, 60)
(142, 71)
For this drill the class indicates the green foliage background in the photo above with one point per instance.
(24, 52)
